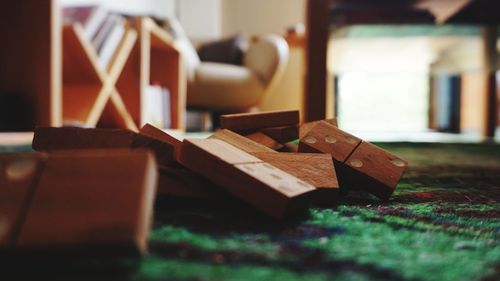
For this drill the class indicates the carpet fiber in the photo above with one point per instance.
(442, 223)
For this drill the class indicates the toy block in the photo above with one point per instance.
(53, 139)
(50, 138)
(326, 138)
(94, 200)
(180, 182)
(245, 122)
(260, 184)
(265, 140)
(18, 177)
(282, 134)
(158, 134)
(372, 169)
(306, 127)
(314, 168)
(240, 141)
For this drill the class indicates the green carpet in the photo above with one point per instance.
(442, 223)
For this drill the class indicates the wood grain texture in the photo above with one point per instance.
(240, 141)
(282, 134)
(265, 140)
(18, 178)
(256, 121)
(261, 185)
(72, 206)
(56, 139)
(372, 169)
(153, 132)
(327, 138)
(314, 168)
(306, 127)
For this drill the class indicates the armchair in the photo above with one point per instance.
(226, 88)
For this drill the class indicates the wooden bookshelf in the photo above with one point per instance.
(62, 76)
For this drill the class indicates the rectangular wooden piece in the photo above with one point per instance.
(240, 141)
(256, 121)
(93, 200)
(327, 138)
(372, 169)
(260, 184)
(306, 127)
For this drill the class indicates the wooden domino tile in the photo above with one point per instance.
(240, 141)
(244, 122)
(18, 177)
(314, 168)
(359, 164)
(51, 138)
(306, 127)
(92, 199)
(260, 184)
(282, 134)
(373, 169)
(327, 138)
(57, 139)
(265, 140)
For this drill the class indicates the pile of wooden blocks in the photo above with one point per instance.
(98, 185)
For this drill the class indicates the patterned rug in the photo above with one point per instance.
(442, 223)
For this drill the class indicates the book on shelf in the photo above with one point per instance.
(90, 17)
(156, 106)
(112, 41)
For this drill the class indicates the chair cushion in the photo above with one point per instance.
(224, 86)
(229, 50)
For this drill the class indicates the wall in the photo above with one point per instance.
(253, 17)
(201, 19)
(159, 8)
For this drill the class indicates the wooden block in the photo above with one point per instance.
(180, 182)
(306, 127)
(54, 139)
(265, 140)
(260, 184)
(98, 201)
(240, 141)
(155, 133)
(372, 169)
(50, 138)
(327, 138)
(18, 177)
(164, 152)
(314, 168)
(282, 134)
(255, 121)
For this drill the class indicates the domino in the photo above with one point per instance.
(264, 186)
(327, 138)
(81, 202)
(314, 168)
(55, 139)
(359, 164)
(246, 122)
(306, 127)
(373, 169)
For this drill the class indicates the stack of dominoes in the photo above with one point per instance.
(98, 185)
